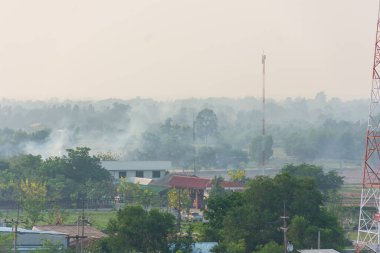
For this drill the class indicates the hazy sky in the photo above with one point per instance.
(176, 49)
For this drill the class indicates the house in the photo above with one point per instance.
(30, 240)
(139, 169)
(197, 186)
(72, 231)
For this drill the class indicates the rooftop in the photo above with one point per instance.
(194, 182)
(71, 230)
(136, 165)
(27, 231)
(189, 182)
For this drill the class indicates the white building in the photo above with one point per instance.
(140, 169)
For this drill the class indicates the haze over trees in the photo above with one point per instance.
(227, 131)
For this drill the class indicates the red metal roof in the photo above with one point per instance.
(189, 182)
(229, 184)
(198, 183)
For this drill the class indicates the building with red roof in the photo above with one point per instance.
(199, 187)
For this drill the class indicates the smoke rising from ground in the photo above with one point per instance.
(117, 126)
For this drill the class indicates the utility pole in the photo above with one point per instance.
(263, 146)
(15, 227)
(179, 210)
(194, 145)
(284, 229)
(80, 223)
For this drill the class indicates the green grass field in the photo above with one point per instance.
(99, 219)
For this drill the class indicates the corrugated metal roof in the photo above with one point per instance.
(71, 230)
(183, 181)
(136, 165)
(229, 184)
(25, 231)
(189, 182)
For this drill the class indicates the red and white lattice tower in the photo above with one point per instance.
(369, 217)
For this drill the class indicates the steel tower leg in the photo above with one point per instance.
(369, 218)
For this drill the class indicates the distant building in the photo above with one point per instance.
(139, 169)
(71, 232)
(198, 187)
(198, 247)
(203, 247)
(29, 240)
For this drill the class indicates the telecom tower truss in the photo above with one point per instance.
(369, 217)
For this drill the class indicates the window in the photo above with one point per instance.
(156, 174)
(139, 173)
(122, 174)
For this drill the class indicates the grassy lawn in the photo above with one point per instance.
(99, 219)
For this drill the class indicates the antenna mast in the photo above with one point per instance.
(369, 216)
(194, 146)
(263, 58)
(284, 229)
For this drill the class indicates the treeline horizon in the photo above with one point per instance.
(227, 135)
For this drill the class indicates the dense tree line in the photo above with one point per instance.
(249, 221)
(32, 181)
(245, 222)
(210, 133)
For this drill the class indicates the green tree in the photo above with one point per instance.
(325, 181)
(236, 247)
(32, 199)
(270, 247)
(237, 175)
(6, 242)
(179, 200)
(129, 191)
(216, 187)
(57, 215)
(217, 208)
(80, 166)
(25, 166)
(137, 230)
(206, 124)
(262, 207)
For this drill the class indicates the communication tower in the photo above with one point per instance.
(369, 217)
